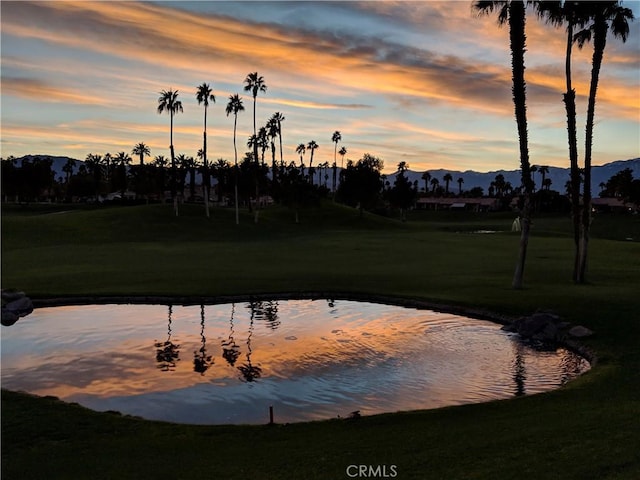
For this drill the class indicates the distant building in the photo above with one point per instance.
(467, 204)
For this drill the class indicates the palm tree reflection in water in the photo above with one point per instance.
(267, 311)
(519, 370)
(250, 373)
(230, 350)
(167, 353)
(202, 361)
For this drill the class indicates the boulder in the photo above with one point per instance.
(536, 323)
(8, 318)
(580, 332)
(11, 295)
(21, 307)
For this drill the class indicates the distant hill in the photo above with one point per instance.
(558, 176)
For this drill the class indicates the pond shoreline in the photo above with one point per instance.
(408, 302)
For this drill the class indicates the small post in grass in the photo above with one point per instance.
(271, 415)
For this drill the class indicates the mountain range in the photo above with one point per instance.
(559, 176)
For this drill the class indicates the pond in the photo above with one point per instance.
(308, 359)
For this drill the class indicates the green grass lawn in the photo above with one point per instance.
(587, 429)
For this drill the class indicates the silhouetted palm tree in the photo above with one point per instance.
(278, 118)
(460, 182)
(204, 94)
(426, 176)
(141, 150)
(574, 15)
(300, 150)
(607, 15)
(254, 84)
(234, 106)
(335, 138)
(168, 101)
(312, 145)
(447, 178)
(342, 152)
(513, 13)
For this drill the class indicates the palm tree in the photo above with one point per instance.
(335, 138)
(254, 84)
(447, 178)
(94, 165)
(513, 13)
(312, 145)
(122, 160)
(605, 15)
(426, 176)
(342, 152)
(168, 101)
(543, 170)
(278, 118)
(204, 94)
(272, 129)
(300, 150)
(574, 15)
(263, 142)
(234, 106)
(434, 183)
(460, 182)
(141, 150)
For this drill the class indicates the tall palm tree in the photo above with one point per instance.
(460, 182)
(574, 15)
(312, 145)
(342, 152)
(278, 118)
(94, 165)
(204, 94)
(234, 106)
(606, 16)
(141, 150)
(263, 142)
(335, 138)
(300, 150)
(447, 178)
(426, 176)
(123, 160)
(168, 102)
(272, 133)
(254, 83)
(513, 13)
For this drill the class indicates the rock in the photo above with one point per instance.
(20, 307)
(8, 318)
(11, 295)
(529, 326)
(580, 332)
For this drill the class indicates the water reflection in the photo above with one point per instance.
(519, 371)
(231, 350)
(267, 312)
(202, 361)
(250, 372)
(310, 359)
(167, 352)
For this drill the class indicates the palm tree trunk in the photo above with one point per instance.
(599, 43)
(518, 41)
(570, 104)
(235, 151)
(205, 173)
(174, 197)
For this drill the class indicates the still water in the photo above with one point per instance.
(310, 360)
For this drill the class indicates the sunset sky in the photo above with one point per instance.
(428, 83)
